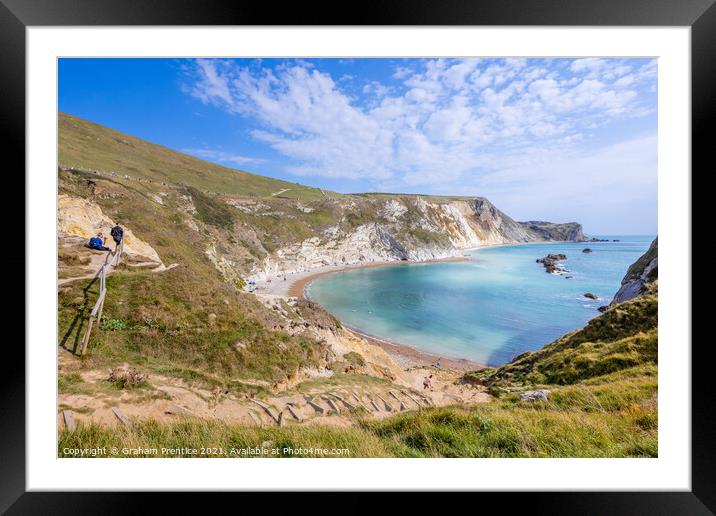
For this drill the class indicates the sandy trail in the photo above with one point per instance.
(168, 399)
(98, 258)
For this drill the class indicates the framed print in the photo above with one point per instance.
(448, 247)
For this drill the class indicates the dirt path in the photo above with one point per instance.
(156, 268)
(91, 397)
(96, 259)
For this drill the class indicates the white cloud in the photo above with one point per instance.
(223, 157)
(401, 72)
(445, 120)
(376, 88)
(616, 183)
(211, 84)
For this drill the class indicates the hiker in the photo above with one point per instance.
(427, 382)
(97, 243)
(117, 234)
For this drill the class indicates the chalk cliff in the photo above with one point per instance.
(641, 276)
(406, 228)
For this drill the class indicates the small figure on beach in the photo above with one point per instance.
(437, 363)
(428, 382)
(97, 243)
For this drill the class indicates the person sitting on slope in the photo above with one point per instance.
(427, 382)
(97, 243)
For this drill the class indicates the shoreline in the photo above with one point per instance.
(404, 355)
(297, 288)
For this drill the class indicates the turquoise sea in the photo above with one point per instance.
(489, 309)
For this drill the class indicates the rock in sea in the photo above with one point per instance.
(551, 261)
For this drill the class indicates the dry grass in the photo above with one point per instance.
(616, 418)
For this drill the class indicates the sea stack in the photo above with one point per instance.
(551, 262)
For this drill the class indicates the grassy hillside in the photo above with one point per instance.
(187, 326)
(88, 145)
(190, 321)
(570, 231)
(609, 416)
(602, 382)
(426, 197)
(639, 266)
(624, 336)
(195, 324)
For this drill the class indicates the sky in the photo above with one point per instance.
(555, 139)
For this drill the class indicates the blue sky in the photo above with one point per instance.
(549, 139)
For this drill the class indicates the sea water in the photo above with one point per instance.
(489, 309)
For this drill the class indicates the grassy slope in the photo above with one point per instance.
(603, 379)
(160, 321)
(603, 384)
(624, 336)
(92, 146)
(637, 268)
(613, 416)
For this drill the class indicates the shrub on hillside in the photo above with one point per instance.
(126, 378)
(211, 211)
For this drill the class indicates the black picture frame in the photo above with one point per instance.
(17, 15)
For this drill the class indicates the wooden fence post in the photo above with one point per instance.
(99, 304)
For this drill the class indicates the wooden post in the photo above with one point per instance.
(99, 313)
(103, 292)
(85, 339)
(99, 304)
(254, 418)
(122, 418)
(93, 316)
(70, 424)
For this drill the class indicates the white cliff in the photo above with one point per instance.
(405, 228)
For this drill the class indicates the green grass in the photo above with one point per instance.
(354, 358)
(624, 336)
(86, 144)
(211, 211)
(162, 320)
(637, 268)
(616, 418)
(192, 323)
(72, 258)
(72, 383)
